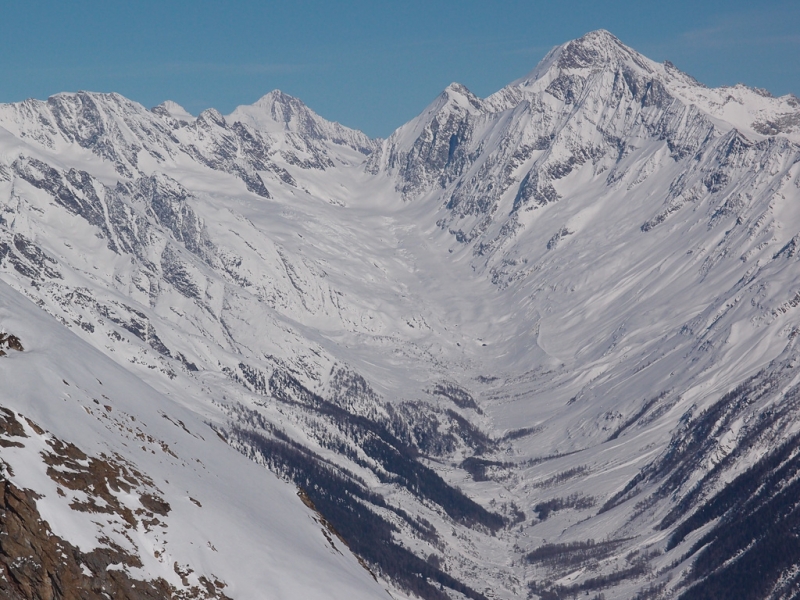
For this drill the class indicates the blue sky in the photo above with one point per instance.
(370, 64)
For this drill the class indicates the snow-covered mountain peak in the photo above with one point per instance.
(278, 112)
(459, 94)
(753, 111)
(581, 97)
(168, 108)
(599, 50)
(69, 110)
(282, 107)
(275, 111)
(454, 99)
(211, 116)
(433, 134)
(89, 97)
(595, 51)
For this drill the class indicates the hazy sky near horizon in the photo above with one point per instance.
(369, 64)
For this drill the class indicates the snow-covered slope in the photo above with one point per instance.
(538, 343)
(133, 482)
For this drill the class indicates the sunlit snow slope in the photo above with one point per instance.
(538, 344)
(120, 467)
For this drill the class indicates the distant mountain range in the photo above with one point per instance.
(536, 345)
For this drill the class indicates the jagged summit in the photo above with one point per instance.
(168, 108)
(279, 112)
(595, 51)
(283, 108)
(600, 50)
(89, 95)
(459, 97)
(280, 98)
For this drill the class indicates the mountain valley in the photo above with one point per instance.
(536, 345)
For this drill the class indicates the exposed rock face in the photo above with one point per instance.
(10, 341)
(38, 565)
(35, 564)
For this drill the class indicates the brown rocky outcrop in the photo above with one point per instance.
(35, 564)
(9, 341)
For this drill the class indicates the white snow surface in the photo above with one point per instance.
(230, 519)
